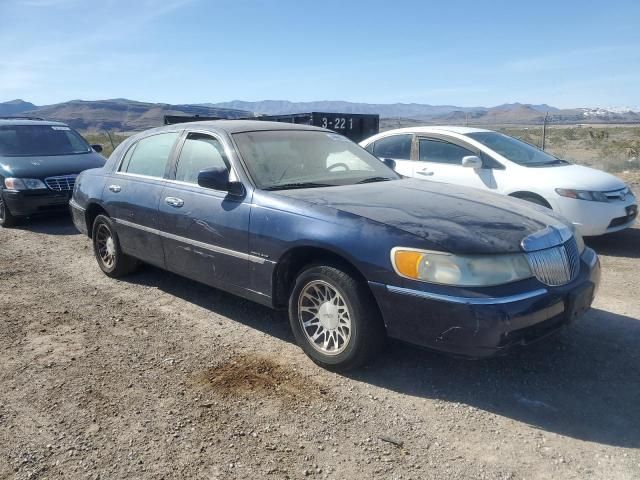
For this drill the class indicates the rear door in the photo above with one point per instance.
(397, 148)
(132, 195)
(205, 231)
(440, 159)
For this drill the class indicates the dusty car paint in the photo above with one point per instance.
(245, 244)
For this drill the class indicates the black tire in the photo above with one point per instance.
(534, 199)
(7, 219)
(366, 337)
(111, 260)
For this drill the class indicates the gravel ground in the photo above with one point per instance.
(160, 377)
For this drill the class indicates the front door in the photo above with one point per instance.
(205, 231)
(132, 195)
(440, 160)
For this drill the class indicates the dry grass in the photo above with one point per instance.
(611, 148)
(108, 141)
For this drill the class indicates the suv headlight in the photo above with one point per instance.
(24, 184)
(582, 194)
(461, 270)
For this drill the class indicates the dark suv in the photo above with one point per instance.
(39, 162)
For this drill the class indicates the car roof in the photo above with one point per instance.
(437, 129)
(28, 121)
(238, 126)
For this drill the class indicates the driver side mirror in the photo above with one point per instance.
(472, 161)
(217, 178)
(97, 147)
(389, 163)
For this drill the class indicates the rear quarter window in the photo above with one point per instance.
(397, 147)
(149, 156)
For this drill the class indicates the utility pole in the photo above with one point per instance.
(544, 130)
(110, 139)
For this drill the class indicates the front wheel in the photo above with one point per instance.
(106, 248)
(7, 219)
(334, 318)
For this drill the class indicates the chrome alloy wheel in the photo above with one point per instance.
(106, 246)
(324, 317)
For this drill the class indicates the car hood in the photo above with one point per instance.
(49, 166)
(576, 177)
(458, 219)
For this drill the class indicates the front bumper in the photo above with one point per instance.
(598, 218)
(31, 202)
(484, 326)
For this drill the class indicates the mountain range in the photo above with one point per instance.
(129, 115)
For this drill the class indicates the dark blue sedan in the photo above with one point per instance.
(301, 218)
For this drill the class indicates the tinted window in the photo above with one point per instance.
(150, 155)
(441, 152)
(199, 152)
(395, 146)
(41, 140)
(513, 149)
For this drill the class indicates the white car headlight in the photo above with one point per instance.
(461, 270)
(582, 194)
(24, 184)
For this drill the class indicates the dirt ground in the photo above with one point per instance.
(156, 376)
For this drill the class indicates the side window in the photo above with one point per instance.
(370, 147)
(150, 155)
(199, 152)
(439, 151)
(397, 147)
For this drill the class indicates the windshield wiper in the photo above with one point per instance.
(290, 186)
(375, 179)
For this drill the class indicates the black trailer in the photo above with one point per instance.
(173, 119)
(356, 126)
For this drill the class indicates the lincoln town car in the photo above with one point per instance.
(302, 219)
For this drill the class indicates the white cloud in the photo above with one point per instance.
(64, 60)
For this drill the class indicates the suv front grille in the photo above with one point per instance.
(63, 183)
(556, 265)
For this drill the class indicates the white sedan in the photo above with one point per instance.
(594, 201)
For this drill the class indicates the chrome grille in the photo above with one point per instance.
(556, 265)
(62, 183)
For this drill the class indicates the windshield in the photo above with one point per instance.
(40, 140)
(282, 159)
(515, 150)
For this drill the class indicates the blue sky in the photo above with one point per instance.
(468, 53)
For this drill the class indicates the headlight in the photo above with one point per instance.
(461, 270)
(582, 194)
(24, 184)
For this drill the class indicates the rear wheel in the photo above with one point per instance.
(7, 219)
(106, 248)
(334, 318)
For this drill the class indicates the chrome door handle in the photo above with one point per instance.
(174, 202)
(115, 188)
(426, 173)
